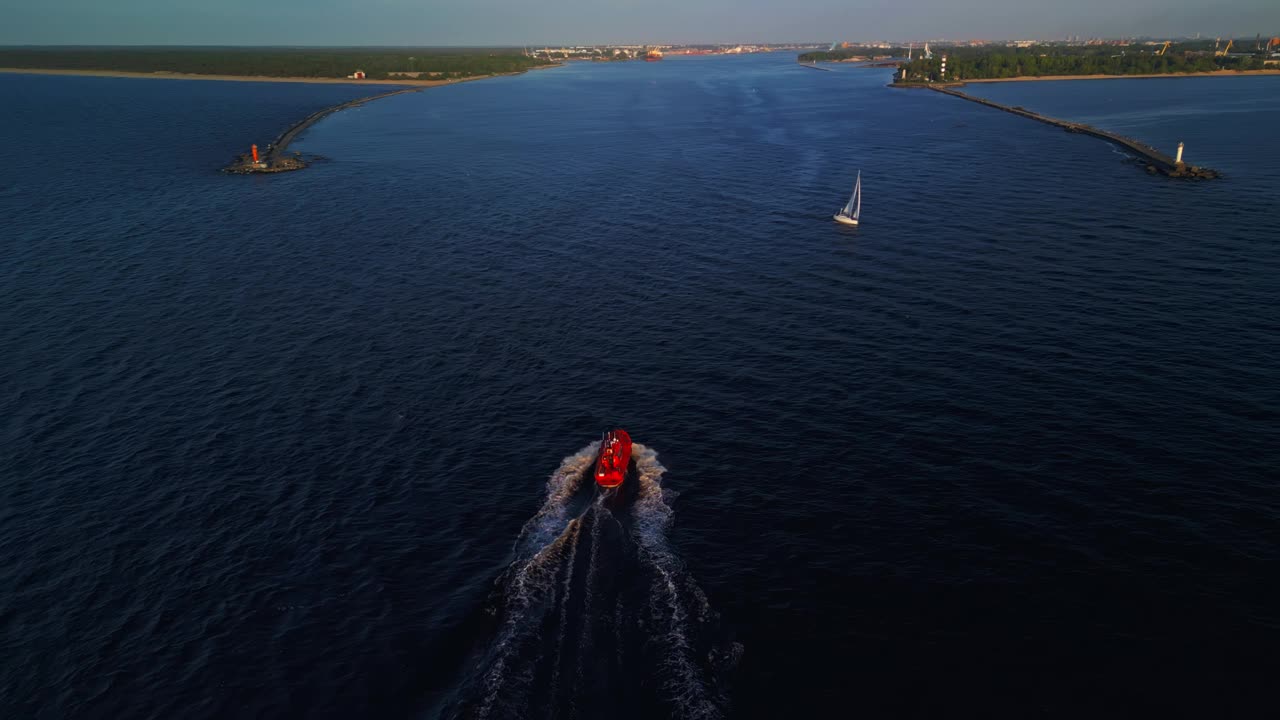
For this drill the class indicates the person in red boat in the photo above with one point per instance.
(615, 455)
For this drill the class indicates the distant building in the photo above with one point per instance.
(357, 75)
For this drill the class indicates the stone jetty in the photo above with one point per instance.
(1154, 160)
(277, 158)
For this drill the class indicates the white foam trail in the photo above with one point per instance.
(566, 593)
(584, 633)
(530, 583)
(551, 518)
(548, 545)
(540, 553)
(652, 518)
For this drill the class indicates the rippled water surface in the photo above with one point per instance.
(313, 445)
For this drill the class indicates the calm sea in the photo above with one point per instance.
(312, 445)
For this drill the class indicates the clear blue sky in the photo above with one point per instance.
(521, 22)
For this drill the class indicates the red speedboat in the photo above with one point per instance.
(615, 454)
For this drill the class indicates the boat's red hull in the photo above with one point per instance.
(615, 455)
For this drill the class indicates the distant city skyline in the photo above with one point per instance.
(556, 22)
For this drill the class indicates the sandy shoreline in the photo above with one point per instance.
(249, 78)
(1028, 78)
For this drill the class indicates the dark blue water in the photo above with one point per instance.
(311, 445)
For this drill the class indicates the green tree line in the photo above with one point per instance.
(966, 64)
(273, 62)
(846, 53)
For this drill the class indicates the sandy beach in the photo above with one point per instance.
(248, 78)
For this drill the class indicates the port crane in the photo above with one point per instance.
(1225, 50)
(1163, 49)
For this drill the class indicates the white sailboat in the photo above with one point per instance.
(853, 209)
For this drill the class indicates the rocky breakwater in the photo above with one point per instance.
(1182, 170)
(276, 160)
(1155, 161)
(273, 163)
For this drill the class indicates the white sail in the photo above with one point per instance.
(854, 206)
(857, 193)
(848, 214)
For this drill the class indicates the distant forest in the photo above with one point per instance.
(845, 53)
(377, 64)
(981, 63)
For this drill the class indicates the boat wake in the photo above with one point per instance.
(596, 615)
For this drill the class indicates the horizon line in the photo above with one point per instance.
(618, 44)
